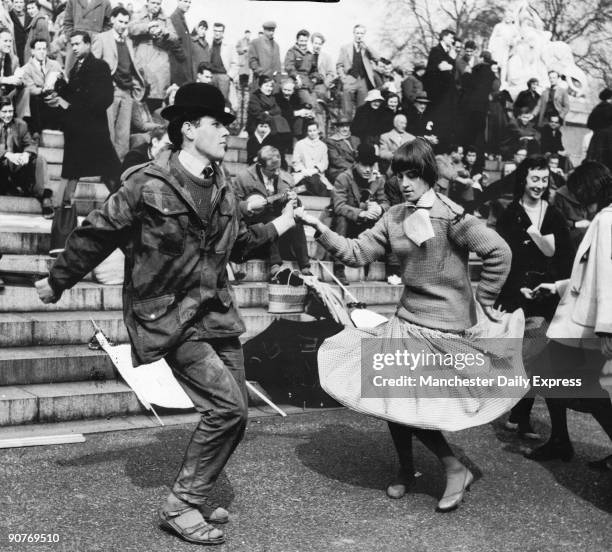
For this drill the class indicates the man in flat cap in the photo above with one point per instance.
(179, 224)
(264, 55)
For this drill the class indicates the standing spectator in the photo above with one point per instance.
(88, 150)
(252, 186)
(341, 149)
(22, 170)
(39, 24)
(465, 63)
(222, 61)
(242, 51)
(323, 77)
(600, 122)
(181, 57)
(154, 37)
(11, 80)
(117, 50)
(310, 160)
(21, 23)
(299, 65)
(37, 75)
(440, 87)
(199, 46)
(369, 120)
(93, 17)
(601, 115)
(358, 200)
(356, 71)
(392, 140)
(553, 101)
(412, 86)
(500, 114)
(264, 55)
(529, 98)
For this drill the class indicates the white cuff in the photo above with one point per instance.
(282, 224)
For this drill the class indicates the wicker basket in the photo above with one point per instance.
(286, 299)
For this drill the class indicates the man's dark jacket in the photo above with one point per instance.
(181, 55)
(175, 268)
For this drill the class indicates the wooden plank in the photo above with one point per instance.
(42, 440)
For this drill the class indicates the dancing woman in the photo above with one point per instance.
(432, 238)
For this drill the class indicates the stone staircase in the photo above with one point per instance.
(47, 372)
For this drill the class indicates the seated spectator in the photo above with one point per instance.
(420, 122)
(552, 141)
(38, 29)
(557, 177)
(368, 123)
(11, 79)
(454, 180)
(341, 149)
(200, 49)
(358, 199)
(392, 140)
(262, 136)
(37, 75)
(310, 161)
(412, 86)
(147, 151)
(577, 200)
(142, 121)
(252, 187)
(263, 102)
(292, 108)
(22, 171)
(204, 73)
(391, 108)
(528, 99)
(520, 133)
(495, 197)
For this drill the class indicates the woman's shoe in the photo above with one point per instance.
(400, 484)
(450, 501)
(552, 450)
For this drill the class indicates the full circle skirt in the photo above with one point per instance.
(341, 372)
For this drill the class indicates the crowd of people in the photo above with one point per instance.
(401, 156)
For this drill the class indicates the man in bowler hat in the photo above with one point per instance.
(179, 224)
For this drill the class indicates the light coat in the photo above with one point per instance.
(345, 60)
(81, 15)
(104, 46)
(560, 101)
(391, 141)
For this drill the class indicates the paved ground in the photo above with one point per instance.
(311, 482)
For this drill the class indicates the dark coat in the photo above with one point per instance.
(600, 117)
(181, 58)
(440, 85)
(175, 267)
(20, 35)
(420, 124)
(477, 87)
(551, 143)
(254, 145)
(600, 148)
(259, 104)
(527, 99)
(412, 86)
(369, 123)
(342, 154)
(529, 265)
(136, 156)
(200, 53)
(88, 150)
(572, 211)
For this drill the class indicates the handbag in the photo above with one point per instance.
(64, 222)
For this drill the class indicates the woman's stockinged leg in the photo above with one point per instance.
(402, 439)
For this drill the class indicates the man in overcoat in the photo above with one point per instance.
(179, 224)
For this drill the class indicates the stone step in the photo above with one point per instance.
(55, 402)
(74, 327)
(14, 204)
(17, 269)
(53, 364)
(55, 139)
(89, 296)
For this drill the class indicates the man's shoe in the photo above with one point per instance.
(47, 204)
(552, 450)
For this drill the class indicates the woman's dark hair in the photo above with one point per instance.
(416, 156)
(478, 165)
(5, 100)
(533, 162)
(591, 182)
(263, 79)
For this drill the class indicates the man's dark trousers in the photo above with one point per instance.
(211, 372)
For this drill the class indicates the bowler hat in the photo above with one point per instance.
(366, 154)
(269, 25)
(422, 98)
(197, 98)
